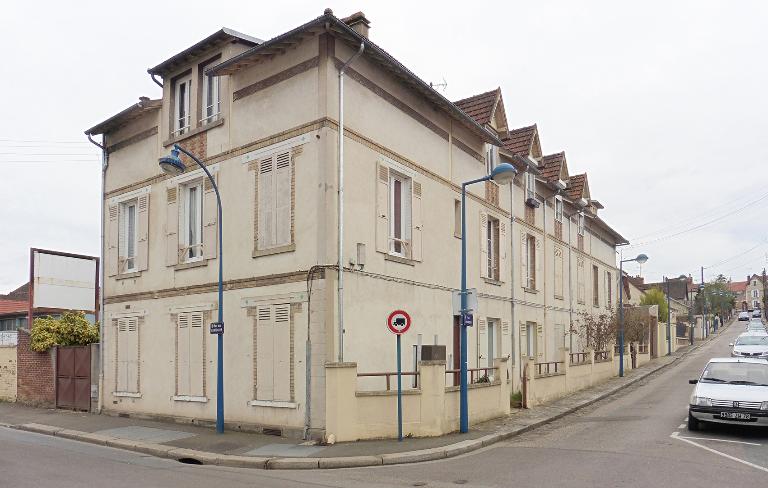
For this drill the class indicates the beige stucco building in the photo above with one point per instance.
(263, 116)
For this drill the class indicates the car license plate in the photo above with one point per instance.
(735, 416)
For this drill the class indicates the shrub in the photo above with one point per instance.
(654, 296)
(72, 329)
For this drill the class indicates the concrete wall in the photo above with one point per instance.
(431, 410)
(8, 373)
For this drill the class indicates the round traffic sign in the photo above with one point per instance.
(399, 322)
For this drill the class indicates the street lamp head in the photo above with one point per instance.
(172, 165)
(503, 173)
(641, 258)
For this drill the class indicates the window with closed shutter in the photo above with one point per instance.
(273, 352)
(127, 237)
(191, 248)
(595, 286)
(190, 354)
(127, 357)
(274, 196)
(580, 285)
(559, 262)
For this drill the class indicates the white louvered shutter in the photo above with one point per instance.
(282, 199)
(524, 260)
(416, 222)
(281, 351)
(382, 208)
(196, 354)
(112, 240)
(121, 381)
(210, 220)
(524, 340)
(266, 224)
(172, 226)
(122, 241)
(131, 344)
(182, 354)
(142, 237)
(540, 343)
(265, 332)
(484, 245)
(503, 247)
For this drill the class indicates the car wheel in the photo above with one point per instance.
(693, 423)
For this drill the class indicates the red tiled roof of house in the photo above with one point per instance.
(551, 165)
(520, 141)
(8, 307)
(736, 286)
(480, 107)
(576, 184)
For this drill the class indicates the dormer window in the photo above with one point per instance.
(182, 119)
(530, 185)
(559, 209)
(211, 96)
(580, 226)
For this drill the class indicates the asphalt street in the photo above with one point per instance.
(635, 438)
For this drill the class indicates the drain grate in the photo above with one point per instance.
(188, 460)
(271, 431)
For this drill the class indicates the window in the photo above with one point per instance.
(580, 286)
(559, 209)
(492, 248)
(530, 185)
(595, 287)
(7, 325)
(457, 218)
(608, 289)
(755, 304)
(275, 193)
(530, 262)
(272, 354)
(211, 96)
(181, 114)
(192, 221)
(491, 158)
(127, 240)
(754, 282)
(190, 354)
(559, 264)
(127, 356)
(400, 210)
(580, 226)
(754, 294)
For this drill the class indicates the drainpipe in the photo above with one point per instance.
(100, 316)
(158, 83)
(570, 285)
(341, 201)
(515, 328)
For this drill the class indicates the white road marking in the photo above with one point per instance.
(681, 426)
(718, 440)
(714, 451)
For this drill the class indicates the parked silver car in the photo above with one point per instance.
(743, 316)
(748, 345)
(730, 391)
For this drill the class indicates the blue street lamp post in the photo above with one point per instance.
(501, 174)
(641, 258)
(172, 165)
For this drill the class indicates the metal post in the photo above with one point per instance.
(399, 394)
(463, 401)
(669, 323)
(220, 342)
(621, 320)
(704, 327)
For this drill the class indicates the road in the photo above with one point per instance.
(634, 439)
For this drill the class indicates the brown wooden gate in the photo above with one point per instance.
(654, 337)
(73, 377)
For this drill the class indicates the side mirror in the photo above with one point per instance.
(692, 382)
(730, 344)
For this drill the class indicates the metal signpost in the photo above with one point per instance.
(398, 323)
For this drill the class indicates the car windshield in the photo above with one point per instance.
(736, 373)
(752, 341)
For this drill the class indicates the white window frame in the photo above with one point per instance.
(493, 262)
(406, 196)
(193, 251)
(211, 96)
(559, 209)
(530, 261)
(182, 121)
(530, 185)
(128, 243)
(755, 294)
(580, 224)
(491, 157)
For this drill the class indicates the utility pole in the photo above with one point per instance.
(765, 299)
(705, 330)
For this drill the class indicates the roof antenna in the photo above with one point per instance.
(439, 86)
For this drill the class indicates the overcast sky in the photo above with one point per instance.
(662, 103)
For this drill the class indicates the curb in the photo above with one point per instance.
(423, 455)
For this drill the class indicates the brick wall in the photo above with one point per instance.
(197, 145)
(8, 373)
(35, 380)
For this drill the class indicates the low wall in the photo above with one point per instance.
(8, 373)
(430, 410)
(36, 384)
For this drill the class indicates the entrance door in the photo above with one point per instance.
(491, 342)
(73, 377)
(530, 336)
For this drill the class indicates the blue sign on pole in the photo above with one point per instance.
(217, 327)
(468, 319)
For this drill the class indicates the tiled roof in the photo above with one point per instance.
(520, 141)
(575, 188)
(480, 107)
(551, 165)
(8, 307)
(20, 293)
(738, 286)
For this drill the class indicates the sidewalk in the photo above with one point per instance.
(201, 445)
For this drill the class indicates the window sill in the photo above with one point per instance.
(273, 404)
(126, 394)
(530, 290)
(274, 250)
(187, 398)
(493, 282)
(128, 276)
(193, 264)
(193, 132)
(399, 259)
(559, 297)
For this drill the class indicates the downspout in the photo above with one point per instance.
(158, 83)
(515, 328)
(340, 302)
(100, 316)
(570, 285)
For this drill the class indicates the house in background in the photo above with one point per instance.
(754, 292)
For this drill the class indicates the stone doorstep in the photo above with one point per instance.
(456, 449)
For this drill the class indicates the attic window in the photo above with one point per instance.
(181, 110)
(491, 158)
(211, 96)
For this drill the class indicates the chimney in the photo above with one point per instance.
(359, 23)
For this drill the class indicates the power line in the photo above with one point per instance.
(45, 154)
(52, 161)
(736, 256)
(44, 141)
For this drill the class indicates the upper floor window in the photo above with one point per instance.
(491, 158)
(580, 227)
(127, 239)
(211, 96)
(399, 224)
(754, 282)
(530, 185)
(608, 289)
(400, 211)
(492, 247)
(595, 286)
(530, 262)
(182, 89)
(274, 207)
(192, 221)
(559, 209)
(755, 294)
